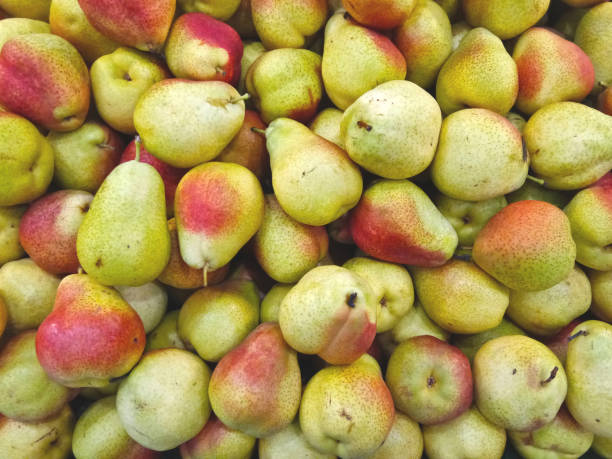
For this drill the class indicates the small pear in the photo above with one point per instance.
(327, 125)
(216, 440)
(270, 304)
(469, 344)
(416, 323)
(505, 18)
(165, 334)
(10, 248)
(251, 52)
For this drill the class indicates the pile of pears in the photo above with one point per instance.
(305, 229)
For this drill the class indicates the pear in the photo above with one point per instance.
(218, 440)
(124, 237)
(396, 221)
(469, 344)
(242, 20)
(416, 323)
(425, 39)
(568, 22)
(487, 150)
(32, 9)
(604, 101)
(220, 9)
(519, 383)
(165, 334)
(588, 374)
(380, 14)
(327, 125)
(546, 312)
(479, 74)
(205, 117)
(570, 145)
(558, 343)
(287, 24)
(593, 32)
(347, 411)
(26, 166)
(256, 387)
(218, 207)
(536, 192)
(10, 248)
(375, 127)
(164, 400)
(505, 18)
(460, 30)
(527, 245)
(330, 312)
(357, 59)
(11, 27)
(251, 52)
(451, 7)
(603, 446)
(314, 180)
(287, 443)
(404, 440)
(148, 300)
(45, 79)
(270, 304)
(467, 436)
(517, 120)
(601, 287)
(551, 69)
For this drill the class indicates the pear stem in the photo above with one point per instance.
(539, 181)
(205, 275)
(137, 142)
(259, 131)
(238, 99)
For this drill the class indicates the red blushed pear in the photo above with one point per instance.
(396, 221)
(91, 336)
(256, 387)
(604, 101)
(48, 230)
(44, 78)
(140, 24)
(380, 14)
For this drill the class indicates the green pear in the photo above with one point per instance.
(220, 9)
(165, 334)
(251, 52)
(603, 446)
(415, 323)
(536, 192)
(505, 18)
(392, 130)
(26, 164)
(270, 304)
(601, 288)
(592, 35)
(589, 370)
(185, 123)
(327, 125)
(519, 383)
(568, 22)
(148, 300)
(460, 30)
(479, 73)
(10, 248)
(469, 344)
(570, 145)
(289, 442)
(124, 237)
(487, 150)
(164, 400)
(314, 180)
(11, 27)
(357, 59)
(405, 440)
(33, 9)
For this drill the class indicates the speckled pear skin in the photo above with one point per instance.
(535, 191)
(218, 208)
(220, 9)
(218, 440)
(350, 71)
(505, 18)
(10, 248)
(425, 39)
(396, 221)
(469, 344)
(67, 20)
(527, 245)
(327, 125)
(588, 373)
(289, 442)
(480, 156)
(416, 323)
(347, 411)
(91, 336)
(480, 74)
(593, 32)
(519, 383)
(601, 287)
(570, 145)
(32, 9)
(45, 79)
(287, 23)
(551, 69)
(199, 47)
(314, 180)
(298, 97)
(141, 25)
(256, 387)
(12, 27)
(380, 14)
(404, 440)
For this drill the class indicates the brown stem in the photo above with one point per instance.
(553, 373)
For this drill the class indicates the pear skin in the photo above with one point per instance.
(10, 248)
(536, 192)
(380, 14)
(149, 301)
(11, 27)
(469, 344)
(289, 442)
(218, 440)
(327, 125)
(416, 323)
(34, 9)
(404, 440)
(220, 9)
(505, 18)
(593, 32)
(165, 334)
(601, 287)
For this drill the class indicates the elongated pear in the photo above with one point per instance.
(124, 238)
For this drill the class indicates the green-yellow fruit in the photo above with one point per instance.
(11, 27)
(10, 248)
(469, 344)
(592, 35)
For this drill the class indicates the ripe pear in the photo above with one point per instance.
(218, 208)
(68, 20)
(519, 383)
(72, 343)
(480, 74)
(164, 400)
(124, 237)
(26, 165)
(536, 192)
(220, 9)
(148, 300)
(588, 373)
(425, 39)
(546, 312)
(347, 410)
(314, 180)
(330, 312)
(118, 79)
(10, 248)
(603, 446)
(270, 304)
(601, 287)
(375, 129)
(469, 344)
(12, 27)
(570, 145)
(487, 150)
(327, 125)
(593, 32)
(460, 30)
(85, 156)
(256, 387)
(527, 245)
(165, 334)
(298, 97)
(396, 221)
(242, 20)
(505, 18)
(45, 79)
(218, 440)
(33, 9)
(357, 59)
(467, 436)
(404, 440)
(251, 52)
(287, 24)
(415, 323)
(380, 14)
(287, 443)
(551, 69)
(604, 101)
(205, 117)
(558, 343)
(28, 293)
